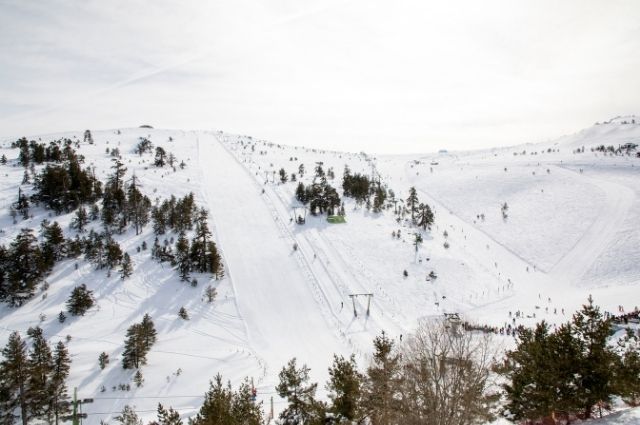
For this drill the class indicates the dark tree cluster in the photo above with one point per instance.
(364, 190)
(144, 145)
(22, 268)
(174, 214)
(223, 405)
(123, 204)
(139, 340)
(321, 197)
(421, 214)
(572, 371)
(200, 256)
(34, 153)
(33, 381)
(65, 187)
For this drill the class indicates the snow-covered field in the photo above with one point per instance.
(572, 230)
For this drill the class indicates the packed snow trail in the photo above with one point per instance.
(273, 294)
(597, 238)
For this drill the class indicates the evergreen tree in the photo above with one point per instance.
(302, 407)
(301, 194)
(3, 159)
(80, 301)
(183, 259)
(345, 389)
(80, 220)
(53, 246)
(211, 293)
(412, 203)
(596, 361)
(283, 176)
(22, 204)
(138, 206)
(14, 376)
(103, 360)
(138, 379)
(628, 370)
(25, 268)
(381, 399)
(223, 406)
(134, 353)
(40, 365)
(182, 313)
(126, 268)
(200, 243)
(160, 159)
(425, 216)
(113, 254)
(58, 404)
(168, 417)
(139, 339)
(128, 416)
(148, 332)
(62, 317)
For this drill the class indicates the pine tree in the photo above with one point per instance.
(148, 332)
(412, 203)
(283, 176)
(80, 301)
(160, 159)
(345, 389)
(53, 246)
(139, 339)
(103, 360)
(381, 400)
(58, 396)
(14, 370)
(302, 407)
(40, 367)
(138, 379)
(128, 416)
(224, 406)
(211, 294)
(182, 313)
(126, 267)
(62, 317)
(183, 259)
(628, 370)
(597, 360)
(25, 268)
(80, 220)
(3, 159)
(301, 194)
(134, 353)
(113, 254)
(425, 216)
(168, 417)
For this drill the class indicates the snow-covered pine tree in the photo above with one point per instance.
(80, 300)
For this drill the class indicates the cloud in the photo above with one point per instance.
(361, 74)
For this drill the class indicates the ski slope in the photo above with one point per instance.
(571, 232)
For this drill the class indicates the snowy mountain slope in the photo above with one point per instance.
(568, 234)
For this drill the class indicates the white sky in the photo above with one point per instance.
(373, 75)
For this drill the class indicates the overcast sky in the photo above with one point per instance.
(373, 75)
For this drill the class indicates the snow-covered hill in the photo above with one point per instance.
(571, 230)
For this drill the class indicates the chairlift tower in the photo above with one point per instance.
(353, 301)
